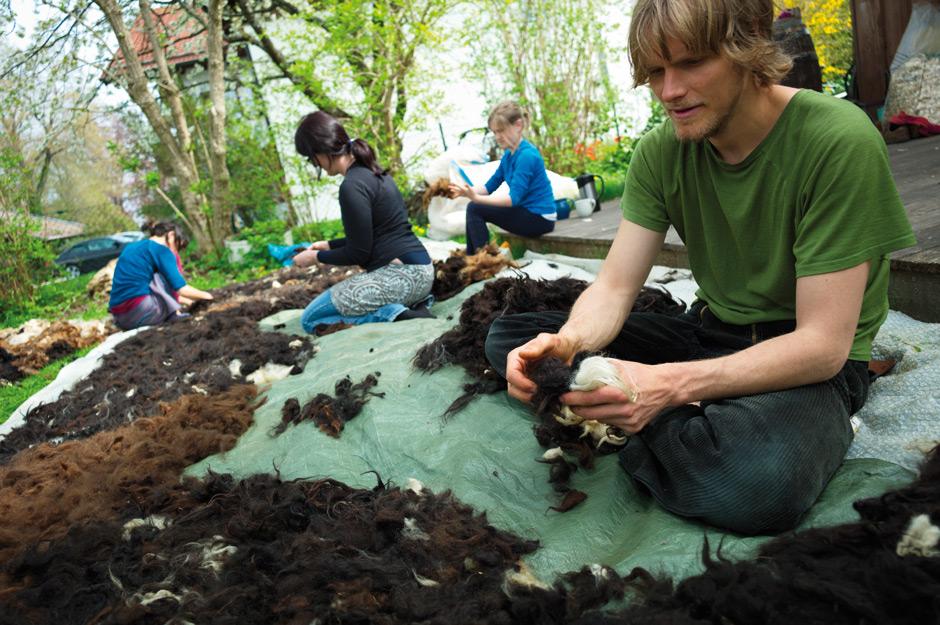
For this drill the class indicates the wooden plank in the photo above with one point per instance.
(916, 169)
(868, 42)
(928, 247)
(896, 17)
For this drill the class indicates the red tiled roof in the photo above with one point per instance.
(186, 36)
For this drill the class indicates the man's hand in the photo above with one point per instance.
(320, 246)
(520, 386)
(655, 390)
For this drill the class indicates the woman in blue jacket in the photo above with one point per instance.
(530, 208)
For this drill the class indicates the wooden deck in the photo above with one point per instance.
(915, 272)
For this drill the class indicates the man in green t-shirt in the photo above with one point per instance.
(787, 208)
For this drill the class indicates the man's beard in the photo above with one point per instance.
(713, 127)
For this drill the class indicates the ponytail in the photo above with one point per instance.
(365, 156)
(321, 133)
(162, 228)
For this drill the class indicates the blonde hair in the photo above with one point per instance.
(739, 29)
(507, 113)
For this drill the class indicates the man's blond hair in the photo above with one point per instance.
(739, 29)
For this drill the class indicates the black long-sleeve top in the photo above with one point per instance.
(375, 221)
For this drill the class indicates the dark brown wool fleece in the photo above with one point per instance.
(455, 273)
(47, 489)
(159, 364)
(463, 344)
(266, 551)
(330, 414)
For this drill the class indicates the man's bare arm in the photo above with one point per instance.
(599, 313)
(827, 311)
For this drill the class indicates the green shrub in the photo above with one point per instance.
(25, 260)
(613, 186)
(325, 230)
(259, 235)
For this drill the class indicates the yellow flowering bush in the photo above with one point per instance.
(830, 24)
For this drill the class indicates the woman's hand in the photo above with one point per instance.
(543, 345)
(320, 245)
(654, 387)
(193, 293)
(307, 258)
(462, 190)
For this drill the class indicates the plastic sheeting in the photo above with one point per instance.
(901, 419)
(487, 454)
(68, 377)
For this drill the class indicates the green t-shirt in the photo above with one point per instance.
(816, 196)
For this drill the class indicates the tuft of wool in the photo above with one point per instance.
(920, 539)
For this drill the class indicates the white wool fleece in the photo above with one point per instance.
(597, 371)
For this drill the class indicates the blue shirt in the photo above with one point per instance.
(525, 174)
(136, 266)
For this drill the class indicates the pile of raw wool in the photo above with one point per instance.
(30, 347)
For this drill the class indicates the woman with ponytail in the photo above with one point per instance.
(529, 210)
(398, 273)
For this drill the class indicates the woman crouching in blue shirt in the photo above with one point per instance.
(529, 210)
(148, 280)
(398, 273)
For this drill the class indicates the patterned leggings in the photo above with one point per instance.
(376, 296)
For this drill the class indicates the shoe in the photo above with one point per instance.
(418, 312)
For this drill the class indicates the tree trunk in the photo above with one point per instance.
(180, 157)
(221, 208)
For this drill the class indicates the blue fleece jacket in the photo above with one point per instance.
(136, 266)
(524, 172)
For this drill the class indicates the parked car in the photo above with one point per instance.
(89, 255)
(129, 236)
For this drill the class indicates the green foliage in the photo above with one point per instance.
(212, 271)
(257, 184)
(551, 55)
(361, 58)
(830, 24)
(325, 230)
(257, 178)
(611, 159)
(613, 186)
(24, 258)
(15, 394)
(61, 299)
(258, 236)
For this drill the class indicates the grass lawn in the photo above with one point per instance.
(64, 299)
(15, 394)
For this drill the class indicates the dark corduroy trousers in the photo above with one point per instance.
(751, 464)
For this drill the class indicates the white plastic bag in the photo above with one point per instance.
(922, 35)
(915, 71)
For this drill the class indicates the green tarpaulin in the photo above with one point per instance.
(486, 455)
